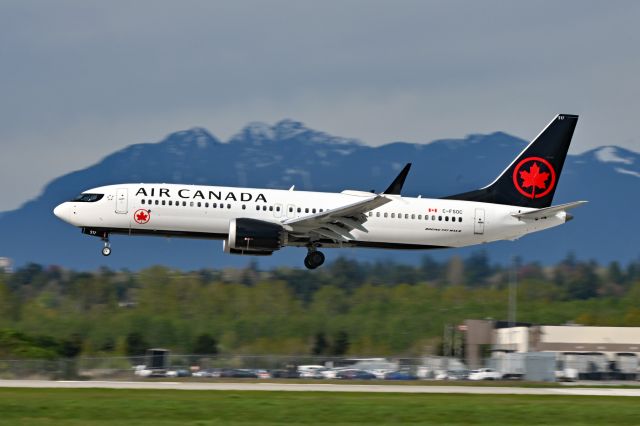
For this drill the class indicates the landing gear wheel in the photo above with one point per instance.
(106, 251)
(314, 259)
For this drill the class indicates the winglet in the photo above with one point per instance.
(396, 186)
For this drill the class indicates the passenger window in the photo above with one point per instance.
(157, 202)
(399, 215)
(433, 217)
(321, 210)
(244, 207)
(313, 211)
(270, 208)
(406, 216)
(393, 215)
(142, 201)
(299, 210)
(170, 202)
(290, 209)
(163, 202)
(306, 210)
(199, 204)
(460, 219)
(413, 216)
(370, 214)
(377, 214)
(206, 205)
(446, 218)
(440, 218)
(184, 204)
(386, 214)
(228, 206)
(258, 208)
(264, 208)
(419, 217)
(191, 204)
(277, 208)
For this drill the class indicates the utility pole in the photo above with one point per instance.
(513, 297)
(513, 291)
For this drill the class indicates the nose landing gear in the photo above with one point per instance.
(106, 250)
(314, 258)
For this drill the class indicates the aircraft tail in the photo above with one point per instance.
(531, 179)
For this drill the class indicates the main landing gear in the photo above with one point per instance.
(106, 250)
(314, 258)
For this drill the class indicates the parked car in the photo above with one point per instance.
(485, 374)
(209, 372)
(239, 373)
(178, 373)
(400, 375)
(285, 374)
(355, 375)
(311, 371)
(458, 374)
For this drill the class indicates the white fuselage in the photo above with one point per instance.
(206, 212)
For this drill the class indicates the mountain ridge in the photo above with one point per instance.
(288, 153)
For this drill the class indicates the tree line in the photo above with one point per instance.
(347, 308)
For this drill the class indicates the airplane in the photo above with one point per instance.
(252, 221)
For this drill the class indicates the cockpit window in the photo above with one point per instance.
(88, 198)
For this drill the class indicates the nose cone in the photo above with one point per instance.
(62, 212)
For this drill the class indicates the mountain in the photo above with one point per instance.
(288, 153)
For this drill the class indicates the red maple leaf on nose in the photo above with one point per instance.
(533, 178)
(141, 216)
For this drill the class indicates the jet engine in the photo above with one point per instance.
(254, 237)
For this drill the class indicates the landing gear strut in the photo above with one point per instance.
(106, 250)
(314, 258)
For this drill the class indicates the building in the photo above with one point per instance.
(6, 264)
(593, 352)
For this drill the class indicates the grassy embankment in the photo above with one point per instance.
(168, 407)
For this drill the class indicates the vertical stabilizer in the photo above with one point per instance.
(531, 179)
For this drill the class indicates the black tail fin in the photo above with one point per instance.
(531, 179)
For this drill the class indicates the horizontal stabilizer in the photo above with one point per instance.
(548, 211)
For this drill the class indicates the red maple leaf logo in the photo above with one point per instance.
(141, 216)
(534, 178)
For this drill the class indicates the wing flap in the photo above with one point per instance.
(337, 223)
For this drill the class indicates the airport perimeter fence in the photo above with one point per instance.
(93, 368)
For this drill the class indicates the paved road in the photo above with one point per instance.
(301, 387)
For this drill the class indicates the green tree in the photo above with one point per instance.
(320, 344)
(136, 344)
(340, 344)
(205, 344)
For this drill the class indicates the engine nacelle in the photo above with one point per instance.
(253, 237)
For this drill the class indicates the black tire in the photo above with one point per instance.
(316, 258)
(307, 264)
(106, 251)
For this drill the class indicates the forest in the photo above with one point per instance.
(346, 308)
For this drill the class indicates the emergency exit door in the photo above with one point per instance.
(122, 201)
(478, 226)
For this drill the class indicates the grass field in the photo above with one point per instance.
(167, 407)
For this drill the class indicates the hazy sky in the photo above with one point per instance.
(80, 79)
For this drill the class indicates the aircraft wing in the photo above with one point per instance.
(548, 211)
(337, 223)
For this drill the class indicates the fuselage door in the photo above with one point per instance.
(478, 226)
(122, 201)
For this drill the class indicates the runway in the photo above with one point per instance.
(303, 387)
